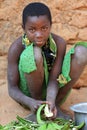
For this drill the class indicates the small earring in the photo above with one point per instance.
(26, 40)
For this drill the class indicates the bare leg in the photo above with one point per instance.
(35, 78)
(78, 62)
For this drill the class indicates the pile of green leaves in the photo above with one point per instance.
(57, 124)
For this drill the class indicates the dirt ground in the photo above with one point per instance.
(9, 109)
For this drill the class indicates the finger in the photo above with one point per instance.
(55, 113)
(35, 107)
(51, 107)
(45, 102)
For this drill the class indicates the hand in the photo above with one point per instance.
(35, 104)
(53, 108)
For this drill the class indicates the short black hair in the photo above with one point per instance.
(36, 9)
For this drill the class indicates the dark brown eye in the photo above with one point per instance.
(31, 30)
(44, 28)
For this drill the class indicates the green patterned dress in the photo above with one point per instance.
(27, 63)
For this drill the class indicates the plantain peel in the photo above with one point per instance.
(47, 112)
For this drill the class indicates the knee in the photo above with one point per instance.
(38, 55)
(81, 55)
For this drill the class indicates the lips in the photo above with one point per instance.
(39, 43)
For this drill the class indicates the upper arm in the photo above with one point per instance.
(61, 49)
(13, 60)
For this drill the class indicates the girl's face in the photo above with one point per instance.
(37, 29)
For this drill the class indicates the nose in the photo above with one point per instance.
(38, 34)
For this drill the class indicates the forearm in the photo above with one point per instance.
(18, 96)
(52, 91)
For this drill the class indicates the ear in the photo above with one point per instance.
(23, 27)
(51, 26)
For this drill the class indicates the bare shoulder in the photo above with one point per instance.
(59, 40)
(15, 49)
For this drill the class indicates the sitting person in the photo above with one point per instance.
(39, 69)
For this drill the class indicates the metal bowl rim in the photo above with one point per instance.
(77, 105)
